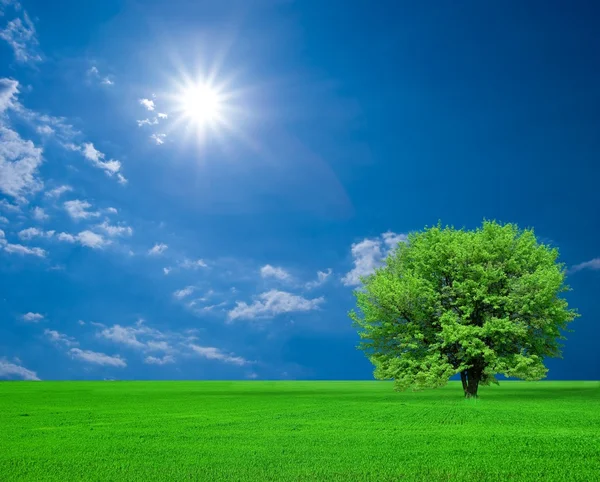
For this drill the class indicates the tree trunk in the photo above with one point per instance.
(473, 377)
(463, 379)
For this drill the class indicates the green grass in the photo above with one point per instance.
(280, 431)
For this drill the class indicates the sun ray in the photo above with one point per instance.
(206, 107)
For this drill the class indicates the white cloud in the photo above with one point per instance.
(112, 210)
(123, 335)
(391, 239)
(18, 248)
(9, 88)
(157, 249)
(42, 123)
(147, 103)
(39, 214)
(152, 360)
(85, 238)
(19, 162)
(593, 264)
(58, 338)
(208, 307)
(58, 191)
(8, 370)
(22, 250)
(6, 206)
(158, 138)
(91, 240)
(69, 238)
(94, 73)
(44, 130)
(269, 271)
(207, 295)
(113, 231)
(78, 209)
(322, 277)
(19, 33)
(32, 317)
(3, 220)
(97, 358)
(193, 263)
(182, 293)
(158, 345)
(47, 125)
(212, 353)
(94, 155)
(147, 122)
(368, 254)
(166, 270)
(272, 303)
(110, 167)
(142, 337)
(162, 115)
(30, 233)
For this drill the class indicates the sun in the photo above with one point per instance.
(205, 108)
(202, 108)
(202, 105)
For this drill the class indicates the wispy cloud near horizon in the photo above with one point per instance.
(10, 370)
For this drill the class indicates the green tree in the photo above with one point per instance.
(477, 303)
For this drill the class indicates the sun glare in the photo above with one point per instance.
(202, 105)
(203, 108)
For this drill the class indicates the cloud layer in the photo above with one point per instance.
(369, 254)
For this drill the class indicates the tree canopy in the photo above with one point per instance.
(475, 303)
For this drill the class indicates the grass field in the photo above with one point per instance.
(280, 431)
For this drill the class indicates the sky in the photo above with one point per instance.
(191, 190)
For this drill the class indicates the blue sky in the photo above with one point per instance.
(144, 239)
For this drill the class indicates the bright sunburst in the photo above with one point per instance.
(201, 108)
(206, 107)
(202, 105)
